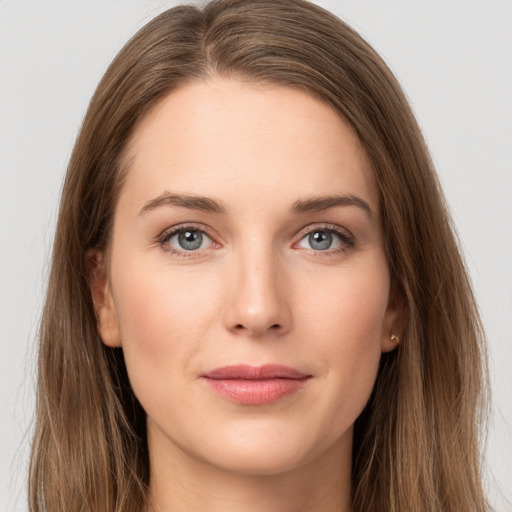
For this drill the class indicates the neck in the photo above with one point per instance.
(181, 482)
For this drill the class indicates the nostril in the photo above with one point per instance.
(274, 327)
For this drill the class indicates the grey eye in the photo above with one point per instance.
(320, 240)
(188, 240)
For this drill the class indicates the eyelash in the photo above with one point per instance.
(347, 239)
(169, 233)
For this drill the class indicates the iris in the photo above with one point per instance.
(320, 240)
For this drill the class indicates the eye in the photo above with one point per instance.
(319, 240)
(326, 239)
(187, 239)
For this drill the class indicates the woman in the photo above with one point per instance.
(256, 300)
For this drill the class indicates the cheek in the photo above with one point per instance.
(349, 305)
(163, 316)
(345, 315)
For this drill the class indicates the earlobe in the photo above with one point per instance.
(395, 322)
(390, 342)
(106, 315)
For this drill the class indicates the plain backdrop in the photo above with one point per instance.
(454, 60)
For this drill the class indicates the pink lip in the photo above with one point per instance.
(252, 385)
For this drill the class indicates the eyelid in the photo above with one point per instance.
(346, 236)
(169, 232)
(325, 226)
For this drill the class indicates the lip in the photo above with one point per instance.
(255, 385)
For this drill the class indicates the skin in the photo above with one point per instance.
(256, 292)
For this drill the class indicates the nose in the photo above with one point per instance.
(258, 304)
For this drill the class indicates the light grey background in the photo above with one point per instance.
(454, 60)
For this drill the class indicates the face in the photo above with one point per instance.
(246, 279)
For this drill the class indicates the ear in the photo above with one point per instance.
(395, 321)
(106, 315)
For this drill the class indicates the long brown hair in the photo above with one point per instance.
(416, 444)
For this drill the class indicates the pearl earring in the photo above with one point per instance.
(394, 337)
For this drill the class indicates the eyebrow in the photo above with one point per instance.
(209, 205)
(318, 204)
(203, 204)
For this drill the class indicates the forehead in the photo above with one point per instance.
(240, 140)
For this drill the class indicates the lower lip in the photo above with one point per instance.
(255, 392)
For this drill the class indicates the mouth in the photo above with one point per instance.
(255, 385)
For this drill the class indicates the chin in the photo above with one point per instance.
(264, 450)
(261, 462)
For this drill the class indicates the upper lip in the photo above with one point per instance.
(247, 372)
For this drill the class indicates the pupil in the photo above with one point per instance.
(320, 240)
(190, 240)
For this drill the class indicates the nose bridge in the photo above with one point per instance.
(257, 304)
